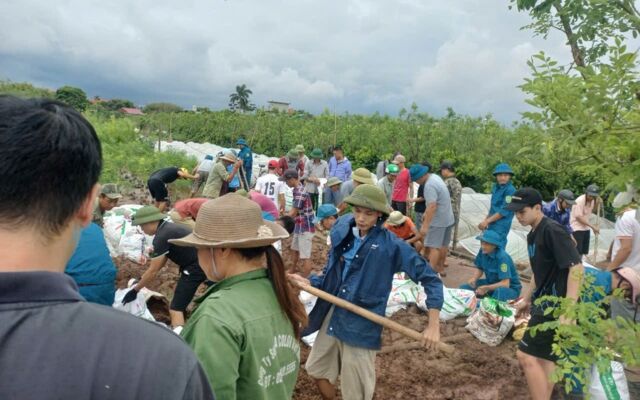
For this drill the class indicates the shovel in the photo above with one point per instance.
(385, 322)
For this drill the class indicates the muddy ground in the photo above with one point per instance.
(474, 371)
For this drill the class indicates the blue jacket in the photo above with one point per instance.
(497, 266)
(247, 157)
(367, 282)
(562, 217)
(499, 195)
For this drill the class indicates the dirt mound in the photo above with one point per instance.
(474, 371)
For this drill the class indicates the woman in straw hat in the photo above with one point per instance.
(246, 329)
(362, 260)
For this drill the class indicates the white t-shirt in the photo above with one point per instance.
(205, 165)
(627, 226)
(270, 186)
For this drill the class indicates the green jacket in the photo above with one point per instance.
(244, 340)
(217, 175)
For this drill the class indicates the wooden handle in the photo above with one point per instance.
(386, 322)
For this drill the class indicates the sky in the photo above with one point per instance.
(350, 56)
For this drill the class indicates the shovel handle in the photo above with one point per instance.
(386, 322)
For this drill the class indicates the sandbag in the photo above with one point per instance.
(138, 307)
(403, 292)
(124, 239)
(456, 303)
(611, 385)
(491, 322)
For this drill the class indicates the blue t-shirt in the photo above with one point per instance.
(349, 254)
(498, 266)
(235, 182)
(601, 279)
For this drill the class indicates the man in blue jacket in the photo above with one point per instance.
(362, 260)
(499, 218)
(246, 156)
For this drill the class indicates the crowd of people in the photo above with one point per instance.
(243, 339)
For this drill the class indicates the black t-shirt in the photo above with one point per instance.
(166, 175)
(552, 254)
(420, 206)
(183, 256)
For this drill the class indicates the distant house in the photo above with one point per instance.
(131, 111)
(278, 106)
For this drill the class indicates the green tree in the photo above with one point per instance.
(24, 90)
(73, 96)
(116, 104)
(239, 100)
(162, 107)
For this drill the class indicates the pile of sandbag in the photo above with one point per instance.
(491, 322)
(124, 239)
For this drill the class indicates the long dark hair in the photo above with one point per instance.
(287, 299)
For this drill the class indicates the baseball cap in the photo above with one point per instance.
(289, 174)
(447, 165)
(273, 164)
(111, 191)
(525, 197)
(399, 159)
(593, 190)
(568, 196)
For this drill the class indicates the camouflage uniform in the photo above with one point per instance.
(455, 192)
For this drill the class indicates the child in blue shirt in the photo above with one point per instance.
(501, 281)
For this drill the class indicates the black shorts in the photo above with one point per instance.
(539, 345)
(399, 206)
(582, 239)
(158, 189)
(190, 278)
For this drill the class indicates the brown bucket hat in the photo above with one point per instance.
(232, 221)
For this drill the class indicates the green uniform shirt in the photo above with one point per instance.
(97, 214)
(217, 175)
(244, 340)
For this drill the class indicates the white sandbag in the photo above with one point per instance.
(124, 239)
(138, 307)
(456, 303)
(403, 292)
(491, 322)
(611, 385)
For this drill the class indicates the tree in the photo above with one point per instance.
(240, 99)
(162, 107)
(73, 96)
(117, 104)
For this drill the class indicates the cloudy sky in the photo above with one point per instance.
(355, 56)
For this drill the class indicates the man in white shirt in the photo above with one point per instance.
(270, 186)
(626, 245)
(202, 172)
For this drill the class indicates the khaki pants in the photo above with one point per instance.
(176, 218)
(356, 366)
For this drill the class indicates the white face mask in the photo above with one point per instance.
(214, 270)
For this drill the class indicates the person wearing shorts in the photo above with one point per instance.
(152, 222)
(363, 258)
(202, 172)
(159, 180)
(302, 211)
(437, 221)
(557, 271)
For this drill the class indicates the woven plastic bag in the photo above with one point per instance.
(456, 303)
(611, 385)
(491, 322)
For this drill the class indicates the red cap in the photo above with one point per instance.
(273, 164)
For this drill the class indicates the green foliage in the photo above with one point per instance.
(162, 107)
(125, 150)
(239, 100)
(24, 90)
(594, 338)
(116, 104)
(73, 96)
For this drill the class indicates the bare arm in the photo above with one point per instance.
(622, 254)
(156, 265)
(494, 286)
(427, 217)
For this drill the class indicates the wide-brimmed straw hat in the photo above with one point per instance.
(229, 156)
(396, 218)
(232, 221)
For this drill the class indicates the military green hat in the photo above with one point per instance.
(369, 196)
(362, 175)
(300, 148)
(292, 153)
(111, 191)
(333, 181)
(316, 153)
(147, 214)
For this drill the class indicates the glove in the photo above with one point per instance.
(130, 296)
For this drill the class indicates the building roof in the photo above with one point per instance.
(131, 111)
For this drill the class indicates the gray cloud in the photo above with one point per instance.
(354, 55)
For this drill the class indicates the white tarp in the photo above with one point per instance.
(475, 207)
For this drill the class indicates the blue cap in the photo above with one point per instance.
(502, 168)
(325, 211)
(241, 141)
(208, 157)
(417, 171)
(491, 237)
(267, 216)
